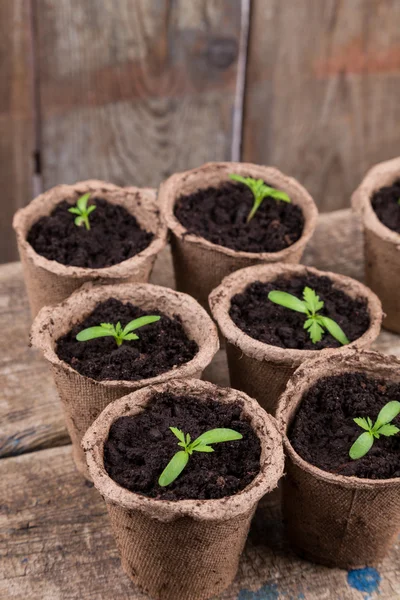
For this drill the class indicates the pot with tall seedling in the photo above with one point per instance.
(105, 341)
(340, 415)
(90, 231)
(274, 317)
(377, 202)
(226, 216)
(181, 467)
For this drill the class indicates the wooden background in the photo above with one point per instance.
(133, 90)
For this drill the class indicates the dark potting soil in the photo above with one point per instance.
(114, 236)
(219, 215)
(323, 429)
(160, 347)
(272, 324)
(140, 447)
(386, 204)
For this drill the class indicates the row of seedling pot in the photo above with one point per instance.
(182, 463)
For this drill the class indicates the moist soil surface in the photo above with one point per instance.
(272, 324)
(385, 203)
(140, 447)
(160, 347)
(114, 236)
(220, 216)
(323, 429)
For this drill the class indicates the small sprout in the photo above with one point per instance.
(260, 191)
(116, 331)
(364, 442)
(201, 444)
(310, 305)
(83, 211)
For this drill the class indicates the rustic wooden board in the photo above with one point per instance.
(57, 545)
(30, 412)
(16, 118)
(322, 89)
(131, 90)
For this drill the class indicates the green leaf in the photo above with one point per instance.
(201, 448)
(387, 413)
(369, 422)
(108, 326)
(82, 202)
(312, 301)
(288, 301)
(240, 178)
(92, 333)
(130, 336)
(388, 430)
(79, 221)
(90, 209)
(188, 438)
(140, 322)
(174, 468)
(315, 331)
(179, 434)
(361, 422)
(74, 210)
(214, 436)
(278, 195)
(335, 330)
(361, 446)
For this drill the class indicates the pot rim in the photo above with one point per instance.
(44, 333)
(122, 269)
(271, 461)
(220, 302)
(167, 199)
(352, 360)
(380, 175)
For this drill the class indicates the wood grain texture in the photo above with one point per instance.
(322, 90)
(30, 412)
(16, 118)
(131, 90)
(57, 545)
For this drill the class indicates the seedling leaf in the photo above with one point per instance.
(388, 413)
(288, 301)
(200, 448)
(92, 333)
(361, 422)
(140, 322)
(388, 430)
(174, 468)
(312, 301)
(220, 434)
(335, 330)
(178, 433)
(316, 332)
(361, 446)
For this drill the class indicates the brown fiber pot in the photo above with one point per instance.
(262, 370)
(49, 282)
(381, 244)
(187, 549)
(201, 265)
(84, 398)
(338, 521)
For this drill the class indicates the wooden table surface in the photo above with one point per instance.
(56, 541)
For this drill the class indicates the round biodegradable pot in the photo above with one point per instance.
(186, 549)
(200, 265)
(84, 398)
(262, 370)
(381, 244)
(49, 282)
(334, 520)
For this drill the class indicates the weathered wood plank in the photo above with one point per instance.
(132, 91)
(30, 413)
(57, 545)
(322, 89)
(16, 118)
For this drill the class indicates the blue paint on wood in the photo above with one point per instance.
(365, 580)
(269, 591)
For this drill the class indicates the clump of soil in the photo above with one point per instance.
(161, 346)
(272, 324)
(386, 204)
(219, 214)
(323, 429)
(114, 236)
(139, 448)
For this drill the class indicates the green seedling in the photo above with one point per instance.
(119, 333)
(310, 306)
(83, 211)
(201, 444)
(260, 191)
(382, 426)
